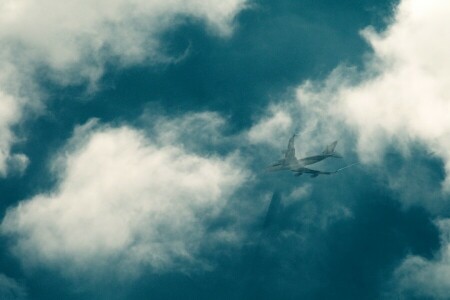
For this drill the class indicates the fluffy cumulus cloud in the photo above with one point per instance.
(401, 97)
(419, 277)
(123, 202)
(78, 37)
(13, 98)
(400, 100)
(407, 100)
(72, 41)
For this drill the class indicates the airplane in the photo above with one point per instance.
(290, 161)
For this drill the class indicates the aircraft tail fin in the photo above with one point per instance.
(329, 150)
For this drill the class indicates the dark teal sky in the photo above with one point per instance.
(275, 47)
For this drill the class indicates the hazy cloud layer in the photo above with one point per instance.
(125, 201)
(71, 42)
(419, 277)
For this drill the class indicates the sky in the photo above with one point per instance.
(134, 137)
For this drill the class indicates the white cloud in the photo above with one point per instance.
(13, 97)
(406, 95)
(72, 41)
(400, 100)
(125, 202)
(427, 278)
(299, 193)
(203, 129)
(77, 37)
(272, 128)
(8, 116)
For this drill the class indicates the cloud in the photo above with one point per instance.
(78, 37)
(10, 289)
(421, 277)
(401, 101)
(199, 132)
(13, 97)
(74, 43)
(403, 95)
(125, 202)
(272, 127)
